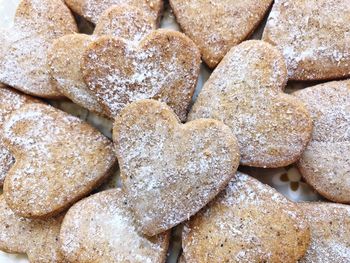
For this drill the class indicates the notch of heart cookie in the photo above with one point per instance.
(24, 46)
(245, 92)
(164, 66)
(171, 170)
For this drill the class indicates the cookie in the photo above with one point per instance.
(246, 93)
(217, 26)
(23, 49)
(10, 100)
(59, 159)
(325, 164)
(313, 37)
(66, 52)
(330, 232)
(248, 222)
(100, 228)
(93, 9)
(164, 66)
(171, 170)
(36, 238)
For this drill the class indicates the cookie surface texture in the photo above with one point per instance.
(216, 26)
(101, 228)
(171, 170)
(313, 42)
(24, 47)
(325, 164)
(248, 222)
(246, 93)
(59, 159)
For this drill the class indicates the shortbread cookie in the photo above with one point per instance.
(36, 238)
(164, 66)
(24, 47)
(325, 164)
(248, 222)
(101, 228)
(313, 37)
(59, 159)
(330, 232)
(245, 92)
(66, 52)
(93, 9)
(216, 26)
(171, 170)
(10, 100)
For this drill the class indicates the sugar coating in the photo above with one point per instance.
(37, 238)
(59, 159)
(313, 37)
(101, 228)
(217, 26)
(23, 50)
(93, 9)
(247, 222)
(330, 232)
(169, 170)
(245, 92)
(164, 66)
(325, 164)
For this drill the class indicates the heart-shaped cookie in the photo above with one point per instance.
(325, 164)
(24, 47)
(248, 222)
(165, 66)
(246, 93)
(66, 53)
(93, 9)
(10, 100)
(313, 37)
(101, 228)
(59, 159)
(171, 170)
(36, 238)
(216, 26)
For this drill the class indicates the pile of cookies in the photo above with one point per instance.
(179, 158)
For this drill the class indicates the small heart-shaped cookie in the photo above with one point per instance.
(24, 47)
(171, 170)
(100, 228)
(248, 222)
(313, 37)
(59, 159)
(93, 9)
(164, 66)
(66, 53)
(10, 100)
(216, 26)
(36, 238)
(325, 164)
(330, 232)
(246, 93)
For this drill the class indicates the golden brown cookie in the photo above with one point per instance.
(164, 66)
(313, 37)
(248, 222)
(325, 164)
(330, 232)
(246, 93)
(59, 159)
(101, 228)
(36, 238)
(23, 49)
(171, 170)
(217, 26)
(93, 9)
(10, 100)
